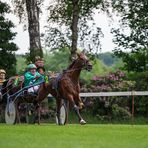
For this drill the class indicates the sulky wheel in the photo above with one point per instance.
(63, 115)
(10, 113)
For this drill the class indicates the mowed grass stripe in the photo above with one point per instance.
(73, 136)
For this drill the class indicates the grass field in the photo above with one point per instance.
(73, 136)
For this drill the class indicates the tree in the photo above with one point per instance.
(31, 10)
(7, 47)
(108, 58)
(132, 47)
(73, 15)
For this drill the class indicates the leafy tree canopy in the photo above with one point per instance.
(7, 47)
(132, 47)
(108, 58)
(62, 14)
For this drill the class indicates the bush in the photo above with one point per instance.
(141, 84)
(111, 82)
(120, 113)
(114, 107)
(141, 80)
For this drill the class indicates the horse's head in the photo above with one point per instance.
(83, 61)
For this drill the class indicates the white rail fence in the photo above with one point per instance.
(112, 94)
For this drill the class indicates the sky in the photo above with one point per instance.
(22, 37)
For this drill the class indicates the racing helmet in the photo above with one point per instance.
(31, 66)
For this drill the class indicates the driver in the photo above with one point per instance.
(32, 77)
(39, 63)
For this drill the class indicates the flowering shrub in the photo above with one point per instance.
(113, 107)
(111, 82)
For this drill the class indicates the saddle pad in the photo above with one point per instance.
(55, 82)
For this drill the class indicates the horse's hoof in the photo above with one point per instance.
(82, 122)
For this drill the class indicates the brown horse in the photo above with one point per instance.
(68, 88)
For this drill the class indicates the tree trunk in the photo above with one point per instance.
(34, 29)
(74, 27)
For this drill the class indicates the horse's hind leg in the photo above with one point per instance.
(39, 113)
(38, 110)
(59, 103)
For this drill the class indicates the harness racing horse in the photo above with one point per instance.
(68, 88)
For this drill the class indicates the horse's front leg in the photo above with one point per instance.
(42, 94)
(76, 109)
(80, 103)
(59, 103)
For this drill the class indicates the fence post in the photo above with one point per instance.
(133, 105)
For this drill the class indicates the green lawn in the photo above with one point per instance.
(73, 136)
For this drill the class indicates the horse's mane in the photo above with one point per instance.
(71, 65)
